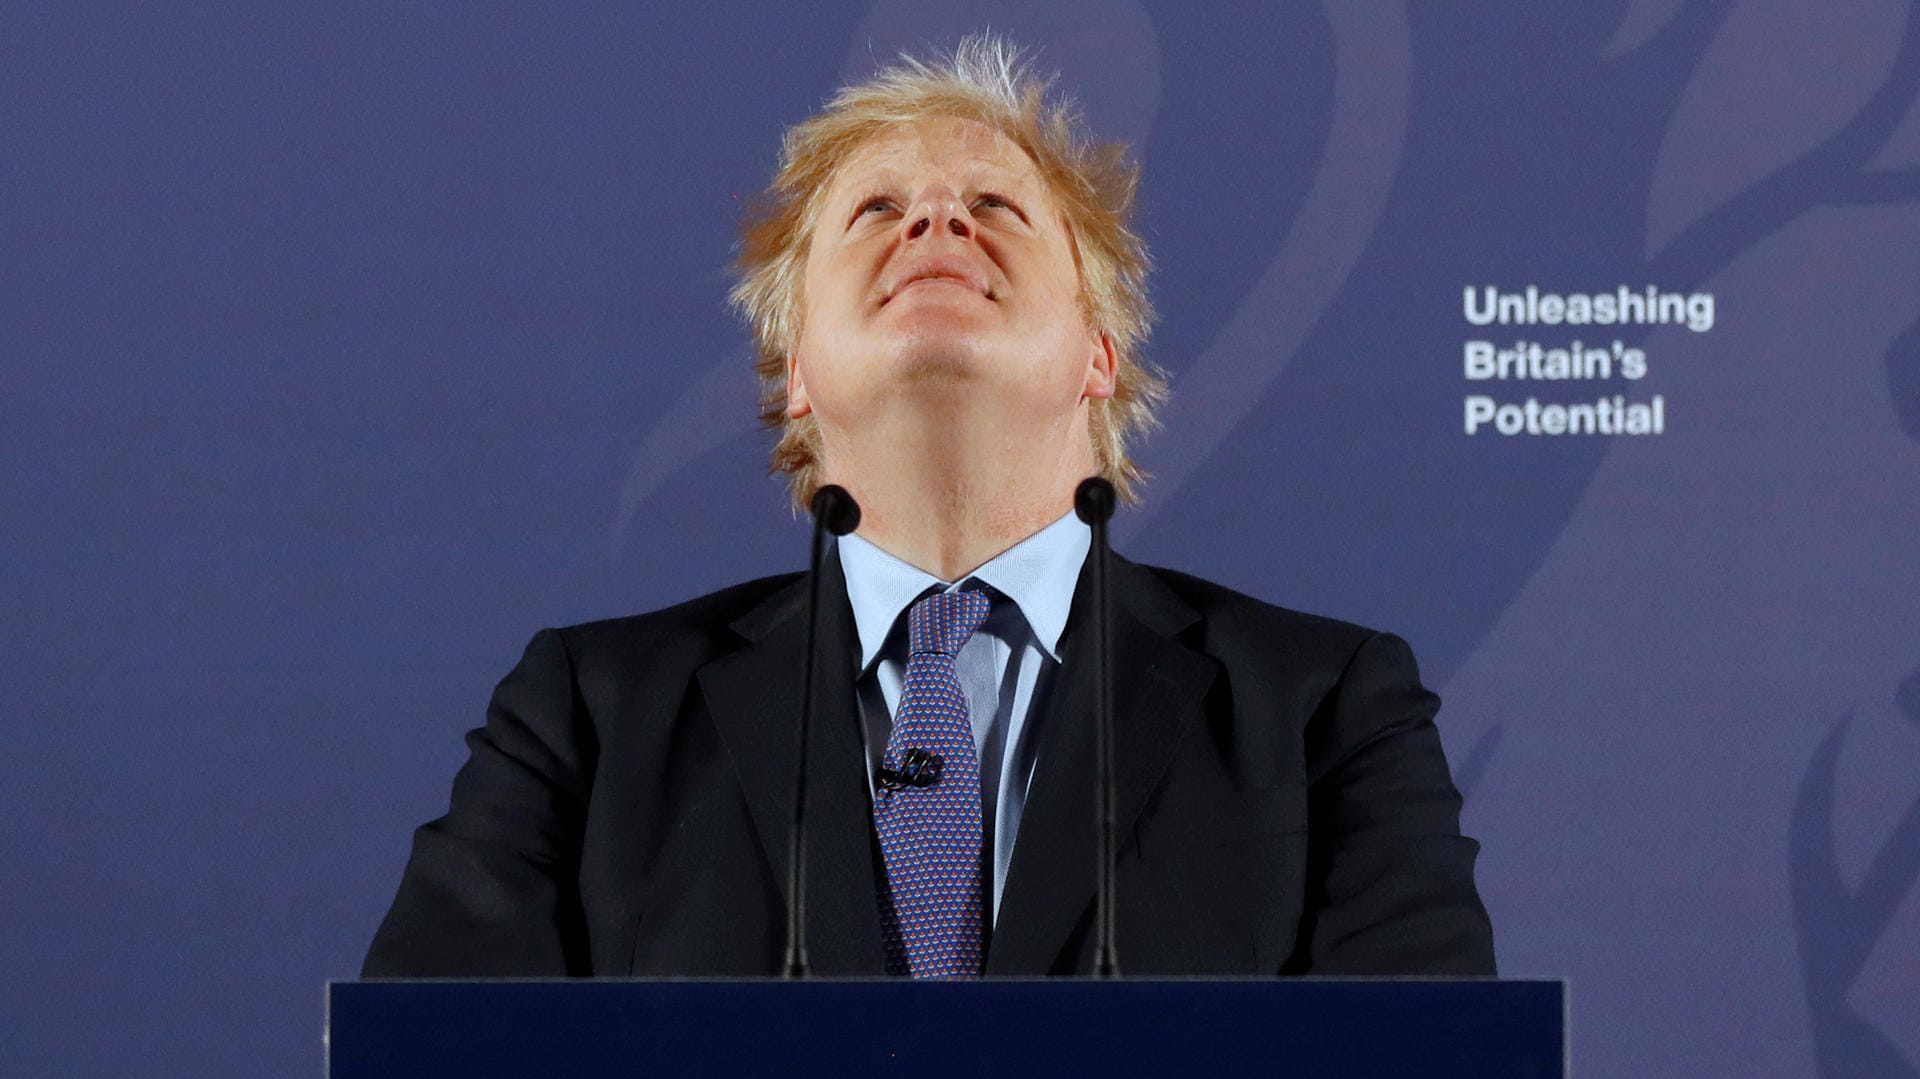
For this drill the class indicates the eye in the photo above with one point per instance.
(990, 201)
(875, 203)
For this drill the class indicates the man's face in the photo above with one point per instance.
(940, 271)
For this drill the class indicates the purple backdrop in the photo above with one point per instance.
(340, 351)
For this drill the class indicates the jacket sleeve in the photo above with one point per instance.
(492, 888)
(1390, 879)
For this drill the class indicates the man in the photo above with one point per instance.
(949, 307)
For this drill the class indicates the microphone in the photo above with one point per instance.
(1093, 502)
(835, 511)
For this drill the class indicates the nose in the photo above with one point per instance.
(939, 207)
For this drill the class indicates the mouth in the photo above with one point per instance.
(950, 272)
(937, 279)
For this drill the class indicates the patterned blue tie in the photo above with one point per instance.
(927, 810)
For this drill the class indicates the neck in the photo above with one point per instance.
(947, 496)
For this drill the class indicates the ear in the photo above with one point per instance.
(797, 403)
(1101, 368)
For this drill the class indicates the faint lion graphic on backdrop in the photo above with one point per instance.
(1754, 565)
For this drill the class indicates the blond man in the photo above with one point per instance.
(949, 307)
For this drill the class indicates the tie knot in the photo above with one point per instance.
(943, 621)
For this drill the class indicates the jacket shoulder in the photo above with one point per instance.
(1215, 601)
(691, 629)
(1234, 626)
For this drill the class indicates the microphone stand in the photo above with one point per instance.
(834, 511)
(1093, 502)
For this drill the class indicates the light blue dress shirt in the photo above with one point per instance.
(1006, 668)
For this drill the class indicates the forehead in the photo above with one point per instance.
(956, 150)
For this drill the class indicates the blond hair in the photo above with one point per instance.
(985, 80)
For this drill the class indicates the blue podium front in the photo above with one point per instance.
(1298, 1028)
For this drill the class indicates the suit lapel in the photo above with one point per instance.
(1157, 688)
(753, 695)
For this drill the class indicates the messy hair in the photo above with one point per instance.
(984, 79)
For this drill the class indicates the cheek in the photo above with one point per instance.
(820, 317)
(1069, 341)
(1057, 285)
(835, 289)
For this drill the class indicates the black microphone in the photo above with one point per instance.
(835, 511)
(1093, 502)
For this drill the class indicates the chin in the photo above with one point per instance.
(939, 353)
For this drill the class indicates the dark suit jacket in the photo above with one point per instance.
(1283, 805)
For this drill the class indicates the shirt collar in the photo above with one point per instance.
(1038, 574)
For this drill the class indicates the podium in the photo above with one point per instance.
(1056, 1027)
